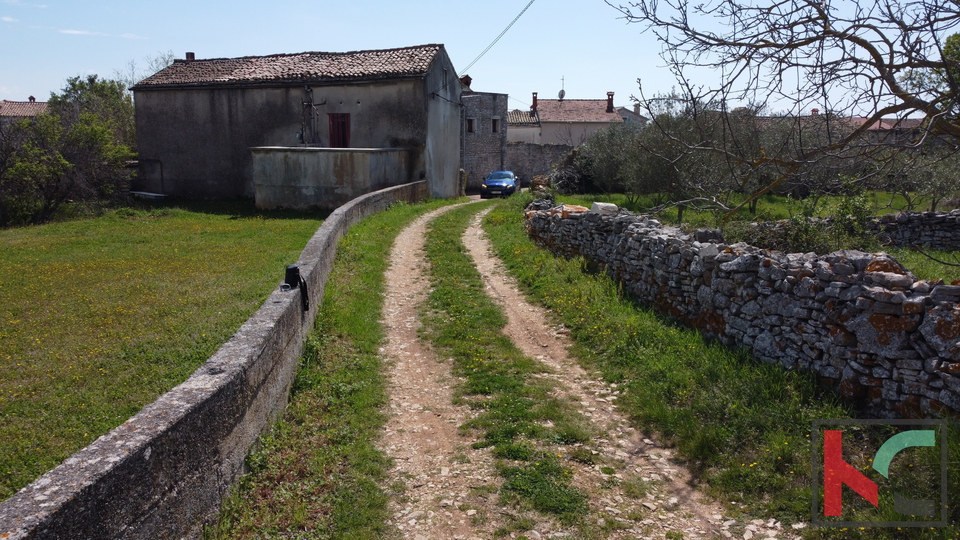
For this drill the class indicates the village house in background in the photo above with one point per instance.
(483, 132)
(633, 116)
(300, 130)
(12, 111)
(563, 121)
(540, 138)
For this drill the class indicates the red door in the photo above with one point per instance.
(339, 130)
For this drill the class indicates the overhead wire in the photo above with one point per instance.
(490, 46)
(494, 42)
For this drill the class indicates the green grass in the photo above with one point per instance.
(742, 425)
(774, 207)
(925, 268)
(770, 207)
(318, 473)
(518, 416)
(100, 316)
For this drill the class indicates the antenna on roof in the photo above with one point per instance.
(562, 91)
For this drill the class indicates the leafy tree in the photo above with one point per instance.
(46, 163)
(613, 159)
(107, 99)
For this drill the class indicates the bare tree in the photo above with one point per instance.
(132, 73)
(857, 62)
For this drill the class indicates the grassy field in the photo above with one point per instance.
(100, 316)
(742, 425)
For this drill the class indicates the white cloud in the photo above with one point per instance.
(89, 33)
(9, 19)
(82, 33)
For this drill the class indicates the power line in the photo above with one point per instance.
(490, 46)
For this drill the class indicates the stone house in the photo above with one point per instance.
(300, 130)
(11, 111)
(563, 121)
(483, 133)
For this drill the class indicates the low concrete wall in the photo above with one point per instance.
(303, 177)
(888, 342)
(164, 471)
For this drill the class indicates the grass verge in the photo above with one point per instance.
(317, 474)
(743, 426)
(100, 316)
(518, 415)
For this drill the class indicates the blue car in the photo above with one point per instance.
(498, 184)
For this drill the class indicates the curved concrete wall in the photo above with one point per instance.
(164, 471)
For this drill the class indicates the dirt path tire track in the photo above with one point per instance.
(434, 464)
(441, 473)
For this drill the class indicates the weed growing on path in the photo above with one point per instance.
(518, 416)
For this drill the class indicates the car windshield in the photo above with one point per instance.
(500, 176)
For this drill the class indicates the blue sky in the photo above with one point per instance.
(43, 42)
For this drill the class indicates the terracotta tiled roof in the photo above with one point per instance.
(518, 118)
(297, 68)
(576, 110)
(22, 109)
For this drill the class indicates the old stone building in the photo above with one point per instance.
(326, 126)
(484, 132)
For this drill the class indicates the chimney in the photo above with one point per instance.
(814, 112)
(466, 80)
(190, 57)
(32, 99)
(609, 101)
(533, 108)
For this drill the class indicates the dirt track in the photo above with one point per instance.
(448, 486)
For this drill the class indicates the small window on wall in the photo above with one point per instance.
(339, 130)
(470, 125)
(496, 125)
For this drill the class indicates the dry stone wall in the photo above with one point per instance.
(861, 321)
(939, 230)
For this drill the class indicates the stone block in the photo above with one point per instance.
(605, 209)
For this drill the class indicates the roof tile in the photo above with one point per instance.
(22, 109)
(576, 110)
(298, 68)
(520, 118)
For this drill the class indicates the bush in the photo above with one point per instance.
(46, 163)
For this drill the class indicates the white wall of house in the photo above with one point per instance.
(571, 133)
(524, 134)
